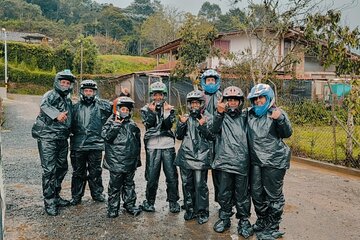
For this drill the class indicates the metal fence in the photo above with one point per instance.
(309, 104)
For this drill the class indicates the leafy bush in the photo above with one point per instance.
(315, 113)
(34, 56)
(307, 112)
(21, 78)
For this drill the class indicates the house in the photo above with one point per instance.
(25, 37)
(311, 79)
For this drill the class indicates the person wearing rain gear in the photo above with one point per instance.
(122, 157)
(194, 156)
(232, 161)
(158, 117)
(86, 143)
(270, 157)
(210, 82)
(52, 130)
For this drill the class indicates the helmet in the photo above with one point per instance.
(261, 89)
(64, 75)
(123, 102)
(195, 95)
(265, 90)
(234, 93)
(158, 87)
(88, 84)
(210, 88)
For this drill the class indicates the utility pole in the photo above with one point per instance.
(6, 61)
(81, 59)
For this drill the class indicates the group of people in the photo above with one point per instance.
(244, 148)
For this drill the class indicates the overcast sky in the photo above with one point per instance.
(350, 8)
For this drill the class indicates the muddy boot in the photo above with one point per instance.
(221, 225)
(112, 213)
(273, 227)
(135, 211)
(75, 201)
(189, 214)
(60, 202)
(148, 207)
(203, 217)
(244, 228)
(260, 224)
(99, 198)
(174, 207)
(52, 210)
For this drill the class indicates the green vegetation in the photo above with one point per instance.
(122, 64)
(317, 142)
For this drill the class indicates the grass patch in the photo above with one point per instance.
(317, 142)
(123, 64)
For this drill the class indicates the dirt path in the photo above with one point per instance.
(319, 204)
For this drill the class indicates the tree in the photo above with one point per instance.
(140, 10)
(113, 22)
(197, 37)
(64, 55)
(265, 25)
(332, 44)
(89, 54)
(48, 8)
(228, 21)
(160, 28)
(210, 12)
(16, 9)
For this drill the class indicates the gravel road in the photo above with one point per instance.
(320, 204)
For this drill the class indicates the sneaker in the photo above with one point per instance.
(60, 202)
(75, 201)
(174, 207)
(244, 228)
(202, 218)
(52, 211)
(189, 215)
(147, 207)
(221, 225)
(99, 198)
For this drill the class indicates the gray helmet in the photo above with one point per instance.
(233, 92)
(198, 96)
(158, 87)
(64, 75)
(88, 84)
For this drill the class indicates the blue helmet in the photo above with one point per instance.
(210, 88)
(261, 89)
(265, 90)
